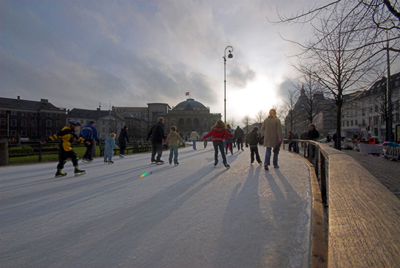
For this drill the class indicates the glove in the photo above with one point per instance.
(280, 143)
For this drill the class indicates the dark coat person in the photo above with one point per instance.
(157, 136)
(239, 135)
(122, 139)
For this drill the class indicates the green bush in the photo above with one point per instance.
(20, 151)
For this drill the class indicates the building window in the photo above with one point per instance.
(13, 132)
(23, 133)
(181, 122)
(34, 114)
(13, 122)
(34, 133)
(58, 123)
(23, 113)
(58, 115)
(14, 113)
(24, 123)
(356, 122)
(3, 132)
(351, 122)
(48, 114)
(34, 123)
(48, 133)
(49, 123)
(3, 121)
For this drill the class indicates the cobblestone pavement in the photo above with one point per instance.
(386, 171)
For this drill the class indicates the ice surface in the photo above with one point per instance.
(135, 214)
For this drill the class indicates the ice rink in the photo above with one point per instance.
(136, 214)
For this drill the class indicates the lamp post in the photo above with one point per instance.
(230, 56)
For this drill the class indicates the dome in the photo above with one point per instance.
(190, 104)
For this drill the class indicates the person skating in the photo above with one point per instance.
(272, 131)
(89, 133)
(122, 139)
(67, 135)
(239, 135)
(218, 133)
(109, 146)
(173, 140)
(194, 136)
(157, 137)
(252, 140)
(229, 140)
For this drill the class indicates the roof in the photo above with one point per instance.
(189, 104)
(43, 104)
(90, 114)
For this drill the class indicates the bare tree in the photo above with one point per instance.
(337, 58)
(247, 121)
(260, 117)
(288, 110)
(232, 122)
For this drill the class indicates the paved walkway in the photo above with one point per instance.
(134, 214)
(386, 171)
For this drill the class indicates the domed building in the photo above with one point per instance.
(189, 115)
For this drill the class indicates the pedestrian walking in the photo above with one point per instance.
(89, 133)
(252, 140)
(218, 134)
(292, 144)
(194, 136)
(312, 134)
(122, 139)
(157, 136)
(239, 135)
(272, 131)
(229, 140)
(173, 140)
(67, 135)
(109, 146)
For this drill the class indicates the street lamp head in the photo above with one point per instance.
(230, 55)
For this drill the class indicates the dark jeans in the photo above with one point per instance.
(157, 149)
(89, 149)
(254, 151)
(240, 143)
(173, 152)
(268, 156)
(122, 149)
(292, 144)
(219, 145)
(63, 156)
(229, 146)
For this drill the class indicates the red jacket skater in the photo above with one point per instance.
(218, 134)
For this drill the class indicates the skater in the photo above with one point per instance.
(218, 133)
(109, 146)
(89, 133)
(252, 140)
(239, 135)
(157, 137)
(67, 136)
(194, 136)
(173, 140)
(229, 140)
(272, 131)
(123, 135)
(312, 134)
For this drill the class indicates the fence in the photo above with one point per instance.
(362, 215)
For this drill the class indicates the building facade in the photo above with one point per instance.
(191, 115)
(106, 122)
(28, 119)
(363, 113)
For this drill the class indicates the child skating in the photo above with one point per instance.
(67, 136)
(252, 140)
(219, 133)
(109, 148)
(173, 140)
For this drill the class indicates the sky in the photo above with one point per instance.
(82, 54)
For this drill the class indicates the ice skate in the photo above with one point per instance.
(121, 155)
(159, 162)
(79, 171)
(105, 161)
(60, 173)
(215, 163)
(110, 162)
(177, 163)
(153, 161)
(227, 166)
(266, 167)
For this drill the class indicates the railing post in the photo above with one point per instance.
(316, 164)
(323, 179)
(4, 153)
(40, 151)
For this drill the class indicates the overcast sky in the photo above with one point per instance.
(78, 54)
